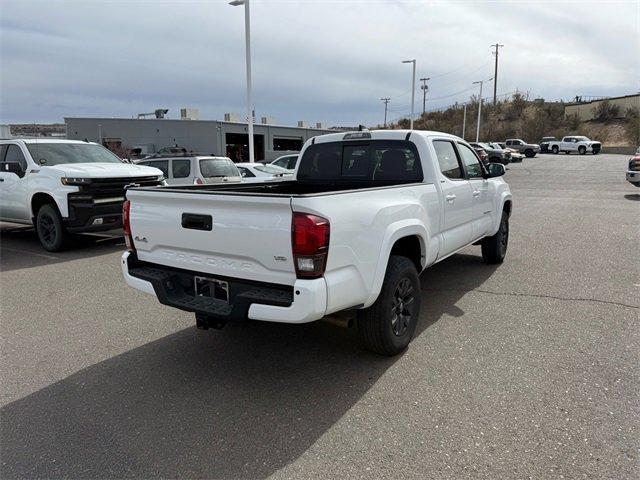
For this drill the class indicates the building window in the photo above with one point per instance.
(287, 144)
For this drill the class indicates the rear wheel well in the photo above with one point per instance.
(411, 248)
(40, 199)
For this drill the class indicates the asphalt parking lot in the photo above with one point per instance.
(526, 370)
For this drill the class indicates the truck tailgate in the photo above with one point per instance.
(234, 236)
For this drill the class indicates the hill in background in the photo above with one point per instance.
(530, 120)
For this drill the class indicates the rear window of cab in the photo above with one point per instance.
(384, 162)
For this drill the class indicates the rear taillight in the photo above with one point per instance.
(310, 244)
(198, 181)
(126, 225)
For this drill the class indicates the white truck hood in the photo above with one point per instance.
(103, 170)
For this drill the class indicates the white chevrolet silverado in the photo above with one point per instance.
(366, 213)
(65, 186)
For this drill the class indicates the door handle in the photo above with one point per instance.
(450, 198)
(476, 193)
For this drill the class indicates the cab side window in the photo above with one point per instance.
(447, 159)
(14, 155)
(181, 168)
(470, 161)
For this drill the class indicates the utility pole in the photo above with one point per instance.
(464, 120)
(386, 101)
(495, 73)
(424, 88)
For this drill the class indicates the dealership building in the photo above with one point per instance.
(225, 138)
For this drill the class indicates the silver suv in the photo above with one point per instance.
(194, 169)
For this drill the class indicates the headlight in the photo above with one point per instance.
(75, 181)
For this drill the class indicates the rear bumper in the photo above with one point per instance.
(305, 302)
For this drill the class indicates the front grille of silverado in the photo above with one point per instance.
(100, 188)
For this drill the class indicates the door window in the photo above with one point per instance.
(470, 161)
(181, 168)
(245, 172)
(447, 159)
(160, 164)
(14, 155)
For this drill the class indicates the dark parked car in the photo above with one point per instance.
(544, 144)
(484, 158)
(496, 155)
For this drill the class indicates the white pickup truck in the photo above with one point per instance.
(63, 186)
(581, 145)
(366, 213)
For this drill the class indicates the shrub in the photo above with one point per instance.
(605, 110)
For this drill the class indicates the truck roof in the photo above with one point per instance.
(45, 140)
(379, 135)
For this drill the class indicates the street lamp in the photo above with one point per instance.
(413, 86)
(480, 107)
(247, 39)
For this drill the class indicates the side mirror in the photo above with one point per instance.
(13, 167)
(495, 170)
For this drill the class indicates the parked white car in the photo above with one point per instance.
(287, 162)
(259, 172)
(579, 144)
(633, 170)
(195, 169)
(62, 186)
(368, 211)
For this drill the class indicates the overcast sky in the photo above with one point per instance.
(314, 60)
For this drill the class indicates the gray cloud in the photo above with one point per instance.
(315, 60)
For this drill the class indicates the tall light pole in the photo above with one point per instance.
(386, 101)
(495, 73)
(424, 88)
(247, 40)
(413, 87)
(480, 107)
(100, 133)
(464, 120)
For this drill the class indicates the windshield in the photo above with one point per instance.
(272, 169)
(61, 153)
(485, 145)
(582, 139)
(218, 167)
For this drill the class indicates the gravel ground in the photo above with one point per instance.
(526, 370)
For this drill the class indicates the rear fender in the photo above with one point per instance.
(395, 232)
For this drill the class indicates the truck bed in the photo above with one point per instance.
(282, 189)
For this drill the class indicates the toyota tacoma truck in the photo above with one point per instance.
(581, 145)
(367, 211)
(65, 186)
(528, 149)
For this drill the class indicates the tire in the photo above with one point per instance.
(50, 229)
(555, 149)
(582, 150)
(494, 248)
(399, 300)
(529, 153)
